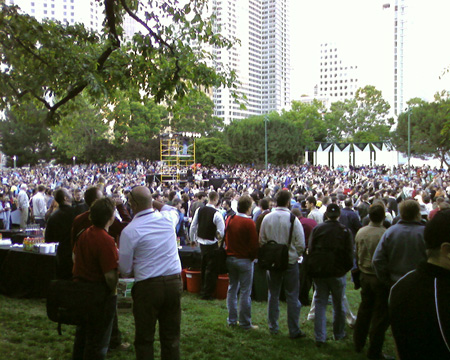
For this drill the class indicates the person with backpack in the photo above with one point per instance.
(330, 258)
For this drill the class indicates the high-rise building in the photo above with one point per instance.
(339, 79)
(399, 50)
(399, 18)
(87, 12)
(261, 60)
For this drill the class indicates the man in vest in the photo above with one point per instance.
(207, 229)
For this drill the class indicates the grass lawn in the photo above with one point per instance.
(26, 333)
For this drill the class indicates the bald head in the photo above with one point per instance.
(140, 198)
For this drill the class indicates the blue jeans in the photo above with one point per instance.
(240, 273)
(290, 279)
(325, 286)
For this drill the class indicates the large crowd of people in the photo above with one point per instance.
(370, 220)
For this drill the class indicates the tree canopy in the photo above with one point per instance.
(52, 62)
(361, 119)
(429, 129)
(24, 136)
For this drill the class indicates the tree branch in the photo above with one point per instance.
(154, 35)
(26, 48)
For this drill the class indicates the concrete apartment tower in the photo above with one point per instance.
(87, 12)
(261, 61)
(338, 79)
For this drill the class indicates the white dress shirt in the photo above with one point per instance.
(23, 199)
(218, 221)
(39, 205)
(148, 245)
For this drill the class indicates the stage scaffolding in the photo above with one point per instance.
(177, 154)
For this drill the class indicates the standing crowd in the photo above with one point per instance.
(388, 226)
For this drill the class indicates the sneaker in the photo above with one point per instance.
(340, 338)
(381, 357)
(252, 327)
(122, 347)
(310, 317)
(300, 335)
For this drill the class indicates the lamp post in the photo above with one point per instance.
(73, 158)
(266, 119)
(14, 159)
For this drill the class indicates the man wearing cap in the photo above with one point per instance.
(421, 325)
(330, 258)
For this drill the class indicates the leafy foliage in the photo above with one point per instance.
(430, 126)
(80, 130)
(136, 125)
(194, 113)
(213, 152)
(24, 136)
(362, 119)
(309, 119)
(247, 137)
(54, 62)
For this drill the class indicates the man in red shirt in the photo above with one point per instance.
(95, 260)
(83, 222)
(241, 239)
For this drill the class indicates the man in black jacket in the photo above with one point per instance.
(349, 218)
(330, 258)
(207, 229)
(418, 304)
(58, 230)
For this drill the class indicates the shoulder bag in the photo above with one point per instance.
(275, 256)
(73, 302)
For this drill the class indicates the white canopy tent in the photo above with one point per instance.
(354, 154)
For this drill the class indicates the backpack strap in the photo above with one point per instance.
(291, 229)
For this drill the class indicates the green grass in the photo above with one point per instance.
(26, 333)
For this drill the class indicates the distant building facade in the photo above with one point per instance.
(261, 61)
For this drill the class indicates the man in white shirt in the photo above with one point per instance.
(39, 206)
(148, 249)
(207, 228)
(23, 202)
(314, 213)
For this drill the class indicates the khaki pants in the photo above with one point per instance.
(23, 218)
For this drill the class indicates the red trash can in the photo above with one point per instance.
(222, 287)
(193, 281)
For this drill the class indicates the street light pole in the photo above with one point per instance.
(265, 136)
(14, 158)
(73, 158)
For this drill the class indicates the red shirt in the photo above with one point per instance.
(433, 212)
(82, 222)
(241, 238)
(308, 226)
(95, 255)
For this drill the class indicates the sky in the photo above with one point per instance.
(365, 33)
